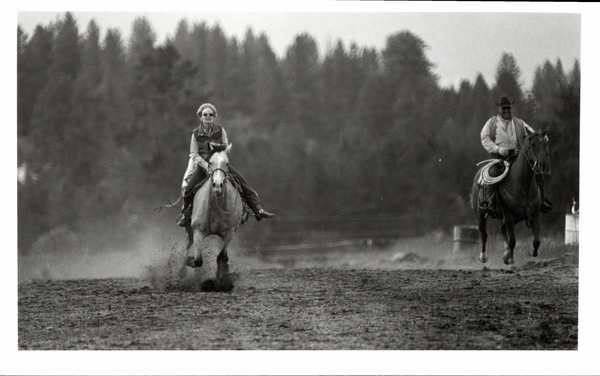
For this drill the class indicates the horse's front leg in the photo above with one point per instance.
(193, 252)
(508, 232)
(188, 261)
(224, 281)
(223, 258)
(483, 257)
(535, 228)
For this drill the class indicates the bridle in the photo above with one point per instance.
(213, 170)
(534, 160)
(225, 172)
(215, 197)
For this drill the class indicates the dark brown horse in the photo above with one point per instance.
(518, 197)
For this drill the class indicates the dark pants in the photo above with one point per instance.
(250, 195)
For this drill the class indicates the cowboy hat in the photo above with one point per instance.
(504, 101)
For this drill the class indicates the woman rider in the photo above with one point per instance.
(207, 137)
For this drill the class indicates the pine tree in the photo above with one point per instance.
(302, 75)
(507, 78)
(34, 59)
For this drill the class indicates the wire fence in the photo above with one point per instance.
(288, 234)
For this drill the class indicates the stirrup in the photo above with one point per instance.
(245, 216)
(546, 206)
(183, 219)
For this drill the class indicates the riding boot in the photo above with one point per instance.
(259, 213)
(186, 211)
(546, 204)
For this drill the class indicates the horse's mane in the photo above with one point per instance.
(220, 149)
(529, 137)
(537, 132)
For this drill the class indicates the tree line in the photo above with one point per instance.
(104, 124)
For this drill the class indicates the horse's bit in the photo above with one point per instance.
(536, 159)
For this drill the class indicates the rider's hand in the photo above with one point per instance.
(503, 152)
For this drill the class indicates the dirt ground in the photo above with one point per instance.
(399, 298)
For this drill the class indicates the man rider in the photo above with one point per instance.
(502, 137)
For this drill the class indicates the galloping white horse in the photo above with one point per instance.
(217, 210)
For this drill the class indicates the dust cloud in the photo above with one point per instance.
(151, 256)
(155, 256)
(145, 248)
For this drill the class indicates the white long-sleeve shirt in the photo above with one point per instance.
(498, 133)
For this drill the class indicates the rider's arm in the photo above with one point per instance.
(486, 138)
(195, 156)
(224, 137)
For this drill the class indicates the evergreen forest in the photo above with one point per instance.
(104, 126)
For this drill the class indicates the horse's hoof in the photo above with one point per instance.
(208, 286)
(190, 261)
(225, 283)
(533, 253)
(182, 272)
(198, 263)
(507, 260)
(483, 258)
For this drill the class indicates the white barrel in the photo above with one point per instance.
(572, 229)
(466, 239)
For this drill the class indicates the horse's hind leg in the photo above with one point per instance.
(535, 228)
(483, 257)
(508, 232)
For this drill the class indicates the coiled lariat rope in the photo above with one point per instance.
(485, 178)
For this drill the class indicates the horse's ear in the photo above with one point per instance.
(545, 133)
(228, 148)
